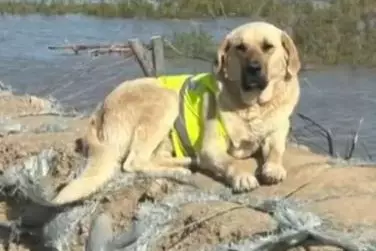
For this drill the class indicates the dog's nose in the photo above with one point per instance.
(253, 67)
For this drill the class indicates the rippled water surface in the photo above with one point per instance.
(336, 98)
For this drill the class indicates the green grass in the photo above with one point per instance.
(324, 36)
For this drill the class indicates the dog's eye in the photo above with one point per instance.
(266, 46)
(241, 47)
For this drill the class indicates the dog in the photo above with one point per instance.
(258, 65)
(172, 123)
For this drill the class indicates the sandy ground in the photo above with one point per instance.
(344, 195)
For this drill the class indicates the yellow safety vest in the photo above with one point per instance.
(187, 132)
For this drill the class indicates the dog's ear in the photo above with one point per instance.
(222, 55)
(293, 60)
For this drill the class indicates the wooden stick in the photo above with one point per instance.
(76, 48)
(86, 46)
(81, 47)
(102, 51)
(142, 56)
(354, 141)
(158, 55)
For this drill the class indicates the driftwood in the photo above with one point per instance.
(150, 57)
(156, 46)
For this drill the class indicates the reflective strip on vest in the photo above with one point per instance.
(180, 125)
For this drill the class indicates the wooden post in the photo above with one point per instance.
(158, 55)
(143, 56)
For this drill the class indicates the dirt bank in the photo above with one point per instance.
(343, 196)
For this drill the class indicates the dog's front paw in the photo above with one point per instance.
(242, 181)
(272, 173)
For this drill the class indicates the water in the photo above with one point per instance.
(336, 98)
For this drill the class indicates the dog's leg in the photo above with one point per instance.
(147, 138)
(165, 148)
(243, 149)
(244, 137)
(164, 156)
(216, 159)
(272, 170)
(214, 156)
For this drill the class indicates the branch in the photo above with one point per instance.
(354, 141)
(328, 132)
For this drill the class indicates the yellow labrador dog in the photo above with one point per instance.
(243, 106)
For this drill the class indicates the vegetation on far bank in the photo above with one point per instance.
(343, 32)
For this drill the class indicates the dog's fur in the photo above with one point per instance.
(135, 118)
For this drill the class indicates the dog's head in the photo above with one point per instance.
(254, 56)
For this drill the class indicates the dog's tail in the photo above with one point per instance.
(102, 162)
(99, 169)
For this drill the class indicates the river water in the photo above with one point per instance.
(337, 98)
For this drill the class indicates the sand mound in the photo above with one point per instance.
(37, 155)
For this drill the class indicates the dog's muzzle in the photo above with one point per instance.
(252, 77)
